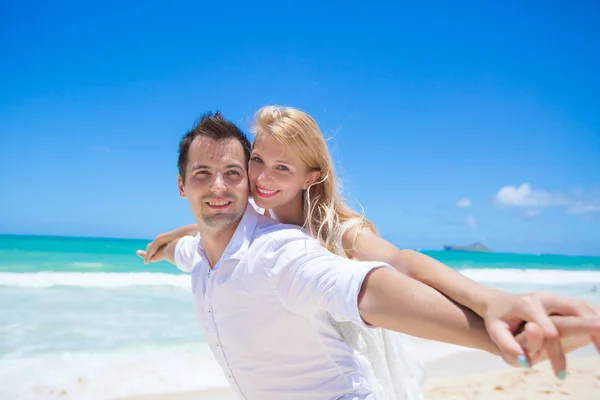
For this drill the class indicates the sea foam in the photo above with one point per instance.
(117, 280)
(91, 376)
(533, 276)
(93, 279)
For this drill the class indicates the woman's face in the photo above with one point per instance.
(277, 175)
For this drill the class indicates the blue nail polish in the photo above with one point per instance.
(562, 375)
(523, 361)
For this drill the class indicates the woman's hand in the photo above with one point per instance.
(506, 313)
(151, 254)
(574, 334)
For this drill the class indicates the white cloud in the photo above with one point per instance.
(524, 196)
(471, 221)
(463, 203)
(577, 202)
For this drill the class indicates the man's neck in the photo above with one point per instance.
(215, 241)
(291, 213)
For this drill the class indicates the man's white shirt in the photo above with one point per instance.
(264, 309)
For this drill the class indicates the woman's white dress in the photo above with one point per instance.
(387, 358)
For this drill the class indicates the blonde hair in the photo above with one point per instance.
(325, 211)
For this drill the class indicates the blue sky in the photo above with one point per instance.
(449, 124)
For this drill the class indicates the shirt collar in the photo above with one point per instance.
(240, 241)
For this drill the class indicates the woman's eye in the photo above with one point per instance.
(283, 168)
(257, 160)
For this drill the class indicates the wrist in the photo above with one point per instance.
(168, 237)
(482, 339)
(161, 255)
(481, 302)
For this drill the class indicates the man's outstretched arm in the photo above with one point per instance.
(391, 300)
(309, 278)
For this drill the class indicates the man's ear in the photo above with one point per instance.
(180, 186)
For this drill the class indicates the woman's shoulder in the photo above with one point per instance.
(347, 225)
(347, 233)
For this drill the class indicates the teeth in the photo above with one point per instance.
(218, 203)
(267, 191)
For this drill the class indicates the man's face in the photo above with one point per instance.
(216, 183)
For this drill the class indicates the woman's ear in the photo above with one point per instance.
(312, 178)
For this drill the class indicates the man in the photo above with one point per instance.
(264, 291)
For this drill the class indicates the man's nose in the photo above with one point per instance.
(218, 184)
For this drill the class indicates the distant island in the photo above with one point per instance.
(478, 247)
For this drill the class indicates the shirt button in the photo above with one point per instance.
(209, 311)
(217, 344)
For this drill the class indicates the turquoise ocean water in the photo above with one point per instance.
(86, 318)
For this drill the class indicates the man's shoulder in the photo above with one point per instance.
(268, 229)
(272, 236)
(186, 252)
(189, 241)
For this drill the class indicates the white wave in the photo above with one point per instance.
(93, 279)
(115, 280)
(532, 276)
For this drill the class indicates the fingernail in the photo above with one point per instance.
(562, 375)
(523, 361)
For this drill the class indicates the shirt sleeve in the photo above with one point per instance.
(185, 250)
(308, 278)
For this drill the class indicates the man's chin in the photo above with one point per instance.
(220, 220)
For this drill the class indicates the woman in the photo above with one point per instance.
(292, 179)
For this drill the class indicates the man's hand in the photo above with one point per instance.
(507, 312)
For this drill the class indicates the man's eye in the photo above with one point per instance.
(233, 173)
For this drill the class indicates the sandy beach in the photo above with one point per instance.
(582, 383)
(475, 375)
